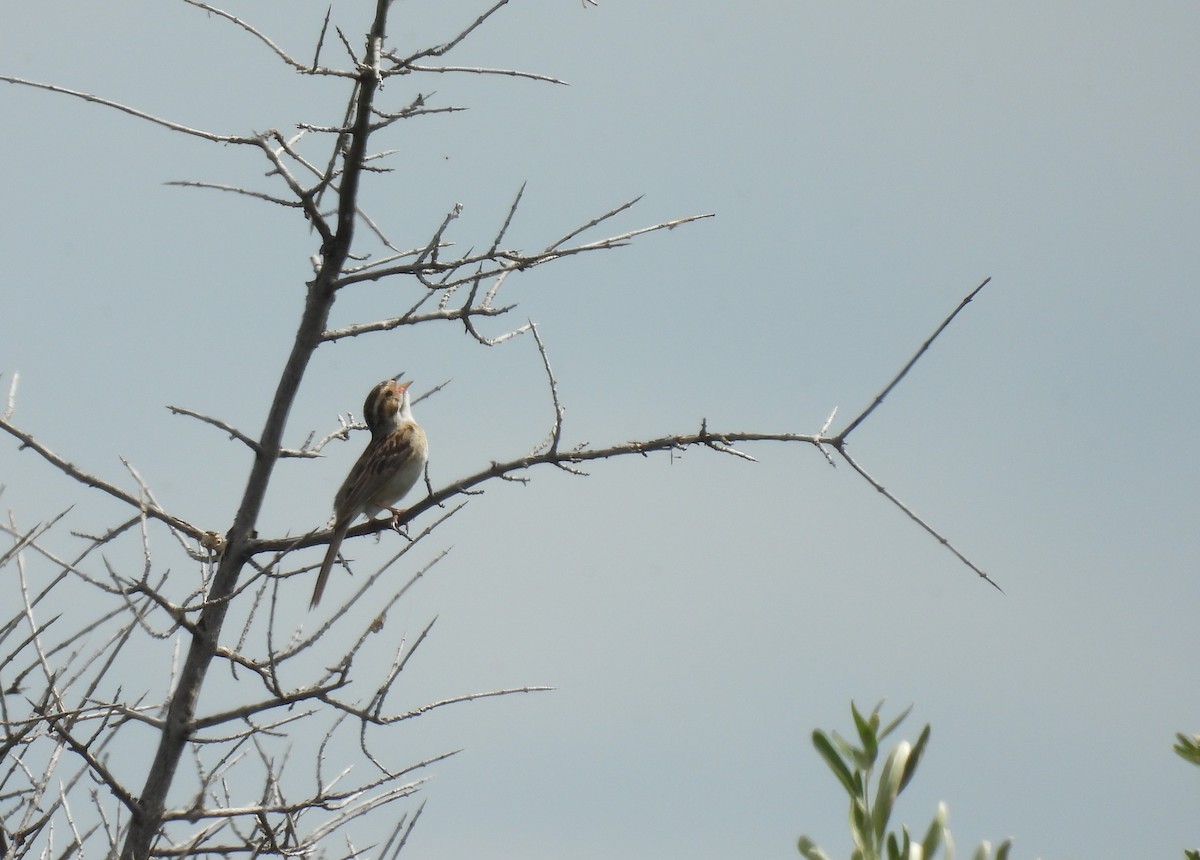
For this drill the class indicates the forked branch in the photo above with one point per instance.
(549, 452)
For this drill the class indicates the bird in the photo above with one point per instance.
(387, 469)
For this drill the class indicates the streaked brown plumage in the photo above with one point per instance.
(386, 470)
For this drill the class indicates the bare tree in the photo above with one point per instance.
(223, 780)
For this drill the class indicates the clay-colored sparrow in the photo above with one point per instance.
(387, 469)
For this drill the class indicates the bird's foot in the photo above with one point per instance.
(397, 514)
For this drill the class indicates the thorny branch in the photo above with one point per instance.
(140, 114)
(87, 479)
(862, 416)
(63, 702)
(549, 453)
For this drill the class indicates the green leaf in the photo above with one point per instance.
(889, 787)
(860, 831)
(910, 768)
(849, 751)
(893, 848)
(984, 851)
(844, 746)
(866, 733)
(891, 727)
(933, 836)
(1188, 747)
(1002, 851)
(810, 850)
(827, 752)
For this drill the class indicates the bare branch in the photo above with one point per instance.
(315, 637)
(443, 49)
(550, 443)
(435, 244)
(509, 468)
(102, 773)
(448, 315)
(914, 517)
(514, 73)
(12, 396)
(243, 712)
(346, 44)
(369, 717)
(504, 261)
(321, 38)
(30, 536)
(904, 370)
(239, 436)
(173, 126)
(600, 219)
(400, 833)
(825, 429)
(492, 341)
(416, 108)
(308, 199)
(722, 442)
(233, 432)
(279, 52)
(73, 471)
(234, 189)
(512, 211)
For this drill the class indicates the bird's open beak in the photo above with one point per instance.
(396, 378)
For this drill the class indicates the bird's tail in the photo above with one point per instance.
(335, 543)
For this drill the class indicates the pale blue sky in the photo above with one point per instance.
(868, 166)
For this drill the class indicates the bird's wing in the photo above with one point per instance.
(376, 467)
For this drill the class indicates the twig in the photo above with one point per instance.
(440, 50)
(512, 211)
(821, 433)
(140, 114)
(915, 518)
(262, 37)
(595, 221)
(321, 38)
(12, 397)
(448, 315)
(238, 435)
(30, 536)
(233, 432)
(504, 261)
(73, 471)
(550, 444)
(234, 189)
(514, 73)
(841, 437)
